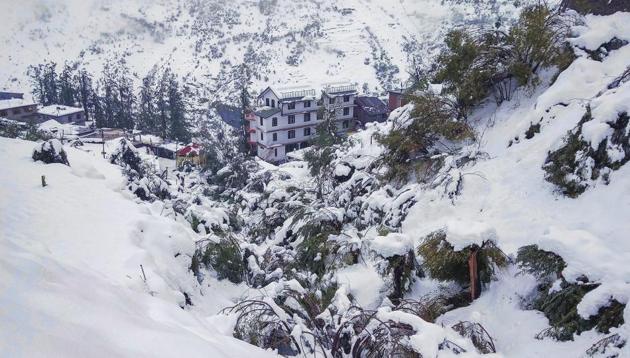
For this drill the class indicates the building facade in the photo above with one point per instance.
(18, 109)
(62, 114)
(287, 118)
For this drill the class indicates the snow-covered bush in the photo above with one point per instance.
(224, 256)
(141, 177)
(597, 146)
(50, 151)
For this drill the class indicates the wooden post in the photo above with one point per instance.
(473, 269)
(43, 181)
(103, 142)
(143, 275)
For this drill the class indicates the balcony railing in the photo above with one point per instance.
(339, 89)
(298, 94)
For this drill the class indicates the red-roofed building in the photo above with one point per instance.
(192, 153)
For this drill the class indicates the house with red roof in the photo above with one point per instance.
(192, 153)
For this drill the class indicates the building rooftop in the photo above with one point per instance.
(57, 110)
(340, 88)
(15, 103)
(371, 105)
(267, 112)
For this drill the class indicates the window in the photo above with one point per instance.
(291, 134)
(3, 113)
(274, 122)
(275, 137)
(307, 132)
(261, 136)
(267, 102)
(291, 118)
(292, 105)
(273, 103)
(346, 111)
(346, 98)
(307, 104)
(307, 117)
(346, 124)
(16, 111)
(291, 147)
(275, 152)
(331, 100)
(261, 121)
(320, 115)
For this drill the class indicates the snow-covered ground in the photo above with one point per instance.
(70, 277)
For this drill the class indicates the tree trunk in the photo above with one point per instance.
(473, 269)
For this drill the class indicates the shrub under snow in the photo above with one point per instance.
(50, 151)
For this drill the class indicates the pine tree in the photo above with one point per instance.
(99, 114)
(162, 122)
(178, 128)
(67, 92)
(85, 92)
(148, 114)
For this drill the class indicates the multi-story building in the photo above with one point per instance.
(287, 118)
(338, 99)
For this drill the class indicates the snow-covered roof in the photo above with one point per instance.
(15, 103)
(371, 105)
(58, 110)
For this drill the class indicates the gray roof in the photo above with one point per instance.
(371, 105)
(267, 112)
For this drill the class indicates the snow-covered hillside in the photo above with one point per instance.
(71, 284)
(223, 45)
(322, 256)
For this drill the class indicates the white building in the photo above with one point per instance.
(287, 118)
(62, 114)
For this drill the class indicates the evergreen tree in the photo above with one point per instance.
(67, 92)
(162, 120)
(44, 79)
(147, 114)
(99, 114)
(178, 128)
(85, 93)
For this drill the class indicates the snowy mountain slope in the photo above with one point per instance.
(70, 276)
(225, 44)
(506, 198)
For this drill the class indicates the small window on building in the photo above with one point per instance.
(320, 115)
(291, 119)
(262, 136)
(346, 98)
(3, 113)
(273, 103)
(274, 122)
(275, 137)
(346, 124)
(275, 152)
(291, 134)
(267, 103)
(307, 132)
(261, 121)
(292, 105)
(346, 111)
(307, 104)
(331, 100)
(307, 117)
